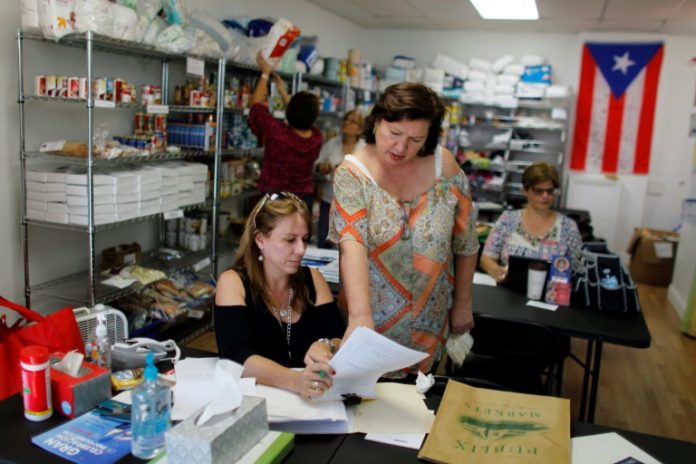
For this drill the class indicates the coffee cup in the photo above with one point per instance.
(536, 278)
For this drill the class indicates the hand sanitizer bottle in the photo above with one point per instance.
(150, 410)
(102, 346)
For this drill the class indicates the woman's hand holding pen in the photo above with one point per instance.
(317, 375)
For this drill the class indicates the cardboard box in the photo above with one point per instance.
(652, 256)
(225, 438)
(74, 396)
(122, 255)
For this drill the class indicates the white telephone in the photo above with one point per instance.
(132, 352)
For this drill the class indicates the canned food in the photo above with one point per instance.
(138, 123)
(157, 94)
(74, 87)
(118, 89)
(99, 89)
(51, 86)
(195, 98)
(126, 96)
(160, 122)
(83, 88)
(62, 86)
(110, 91)
(40, 86)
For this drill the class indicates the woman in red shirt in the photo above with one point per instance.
(290, 147)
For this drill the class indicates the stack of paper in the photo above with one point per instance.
(325, 260)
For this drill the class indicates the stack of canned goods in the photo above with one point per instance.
(60, 86)
(112, 89)
(150, 133)
(151, 95)
(190, 233)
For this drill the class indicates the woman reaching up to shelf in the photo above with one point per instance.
(290, 147)
(272, 314)
(330, 157)
(535, 231)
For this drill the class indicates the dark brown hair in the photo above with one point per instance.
(412, 102)
(302, 110)
(262, 220)
(540, 172)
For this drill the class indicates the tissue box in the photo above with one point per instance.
(223, 439)
(74, 396)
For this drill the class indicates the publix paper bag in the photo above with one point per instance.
(482, 426)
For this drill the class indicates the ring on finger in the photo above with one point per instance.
(315, 385)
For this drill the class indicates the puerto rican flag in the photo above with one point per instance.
(616, 107)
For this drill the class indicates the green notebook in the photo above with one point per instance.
(272, 449)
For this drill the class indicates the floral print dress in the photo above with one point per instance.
(411, 248)
(508, 237)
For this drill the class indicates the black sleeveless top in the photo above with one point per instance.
(242, 331)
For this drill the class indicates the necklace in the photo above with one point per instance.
(285, 313)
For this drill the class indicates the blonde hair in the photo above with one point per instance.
(265, 216)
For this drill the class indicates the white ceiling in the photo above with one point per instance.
(677, 17)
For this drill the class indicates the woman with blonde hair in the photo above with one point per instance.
(331, 155)
(271, 314)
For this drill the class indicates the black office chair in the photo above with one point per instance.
(522, 356)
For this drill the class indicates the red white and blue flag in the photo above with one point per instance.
(616, 107)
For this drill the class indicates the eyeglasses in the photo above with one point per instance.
(549, 191)
(273, 197)
(406, 226)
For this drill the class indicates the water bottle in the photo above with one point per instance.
(609, 281)
(150, 410)
(102, 346)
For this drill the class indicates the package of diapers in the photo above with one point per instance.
(55, 18)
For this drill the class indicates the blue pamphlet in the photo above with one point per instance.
(90, 438)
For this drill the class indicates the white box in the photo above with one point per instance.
(122, 198)
(45, 187)
(36, 205)
(46, 197)
(150, 211)
(74, 178)
(36, 215)
(99, 219)
(121, 208)
(81, 190)
(46, 176)
(60, 208)
(152, 203)
(152, 186)
(127, 215)
(61, 218)
(149, 195)
(96, 200)
(98, 209)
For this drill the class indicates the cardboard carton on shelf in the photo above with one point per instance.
(652, 256)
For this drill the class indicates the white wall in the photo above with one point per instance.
(671, 147)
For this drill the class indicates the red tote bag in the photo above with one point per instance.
(58, 332)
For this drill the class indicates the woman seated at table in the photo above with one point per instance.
(535, 231)
(271, 314)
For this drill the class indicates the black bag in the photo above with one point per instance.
(602, 282)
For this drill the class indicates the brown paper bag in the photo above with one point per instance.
(480, 425)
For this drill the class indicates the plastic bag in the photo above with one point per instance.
(176, 39)
(95, 16)
(55, 18)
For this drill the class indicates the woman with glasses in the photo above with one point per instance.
(271, 313)
(331, 155)
(402, 216)
(536, 231)
(290, 146)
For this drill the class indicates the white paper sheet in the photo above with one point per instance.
(363, 359)
(542, 305)
(607, 448)
(481, 278)
(405, 440)
(286, 406)
(398, 409)
(325, 260)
